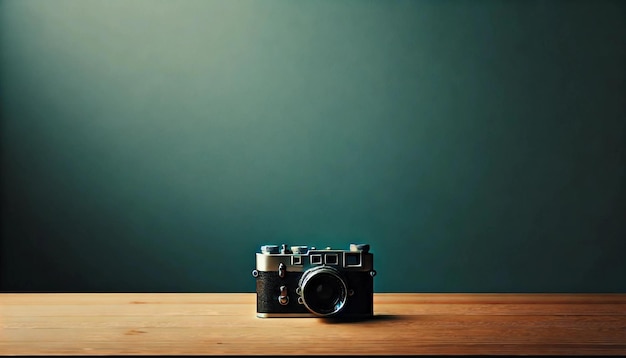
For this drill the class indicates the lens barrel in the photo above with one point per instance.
(323, 290)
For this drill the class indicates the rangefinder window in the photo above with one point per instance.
(316, 259)
(331, 259)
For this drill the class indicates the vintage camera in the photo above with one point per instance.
(307, 282)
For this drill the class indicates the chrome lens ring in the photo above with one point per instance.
(323, 291)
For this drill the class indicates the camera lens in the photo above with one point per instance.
(324, 292)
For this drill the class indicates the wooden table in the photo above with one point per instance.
(225, 323)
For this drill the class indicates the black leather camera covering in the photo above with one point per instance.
(268, 289)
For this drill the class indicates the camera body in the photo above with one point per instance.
(307, 282)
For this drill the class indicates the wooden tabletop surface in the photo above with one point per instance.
(225, 323)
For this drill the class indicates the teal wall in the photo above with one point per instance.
(478, 146)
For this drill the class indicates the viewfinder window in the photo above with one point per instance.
(353, 259)
(316, 259)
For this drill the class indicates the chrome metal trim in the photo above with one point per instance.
(265, 262)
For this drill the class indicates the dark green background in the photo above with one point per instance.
(478, 146)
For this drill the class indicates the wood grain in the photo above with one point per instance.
(222, 323)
